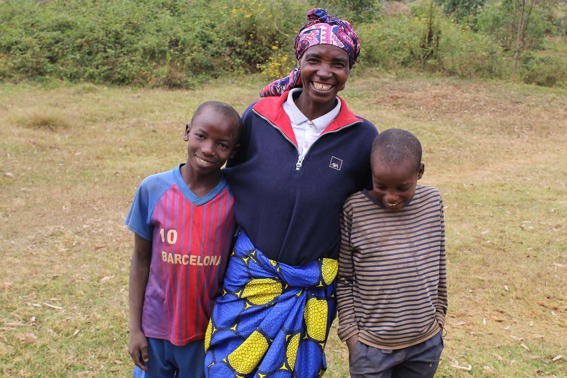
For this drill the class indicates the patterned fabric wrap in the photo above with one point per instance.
(320, 29)
(272, 319)
(324, 29)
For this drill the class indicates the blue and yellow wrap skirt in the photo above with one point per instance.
(272, 319)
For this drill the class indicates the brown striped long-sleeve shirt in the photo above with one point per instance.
(392, 285)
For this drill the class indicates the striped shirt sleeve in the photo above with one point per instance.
(345, 289)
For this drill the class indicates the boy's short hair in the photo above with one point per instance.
(396, 146)
(222, 107)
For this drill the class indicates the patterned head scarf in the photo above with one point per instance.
(320, 29)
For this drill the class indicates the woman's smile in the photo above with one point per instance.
(321, 86)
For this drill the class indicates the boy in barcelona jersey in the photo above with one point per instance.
(183, 225)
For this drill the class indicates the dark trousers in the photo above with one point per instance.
(171, 361)
(418, 361)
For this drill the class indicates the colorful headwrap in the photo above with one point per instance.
(320, 29)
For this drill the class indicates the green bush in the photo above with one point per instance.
(547, 71)
(500, 20)
(180, 43)
(463, 11)
(170, 43)
(401, 41)
(355, 11)
(466, 54)
(387, 44)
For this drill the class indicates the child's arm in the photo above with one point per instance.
(348, 328)
(139, 271)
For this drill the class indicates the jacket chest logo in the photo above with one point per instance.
(336, 163)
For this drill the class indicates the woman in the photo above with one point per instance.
(302, 152)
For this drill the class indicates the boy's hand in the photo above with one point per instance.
(351, 342)
(138, 349)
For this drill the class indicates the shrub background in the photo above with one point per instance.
(180, 43)
(170, 43)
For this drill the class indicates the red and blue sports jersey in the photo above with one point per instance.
(191, 240)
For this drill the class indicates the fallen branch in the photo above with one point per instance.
(53, 306)
(460, 367)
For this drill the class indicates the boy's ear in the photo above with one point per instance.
(186, 134)
(420, 171)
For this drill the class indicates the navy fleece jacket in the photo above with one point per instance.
(290, 209)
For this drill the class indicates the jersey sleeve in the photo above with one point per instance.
(138, 218)
(150, 190)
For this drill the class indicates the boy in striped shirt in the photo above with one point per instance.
(183, 225)
(392, 282)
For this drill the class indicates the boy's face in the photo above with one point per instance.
(211, 138)
(393, 185)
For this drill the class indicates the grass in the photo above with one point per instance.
(71, 157)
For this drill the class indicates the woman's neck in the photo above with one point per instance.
(313, 110)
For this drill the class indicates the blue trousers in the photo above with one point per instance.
(418, 361)
(171, 361)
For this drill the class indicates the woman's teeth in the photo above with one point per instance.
(321, 86)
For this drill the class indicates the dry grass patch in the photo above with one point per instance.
(51, 122)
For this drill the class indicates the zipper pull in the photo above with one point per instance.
(299, 163)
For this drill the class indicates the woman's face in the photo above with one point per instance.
(324, 72)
